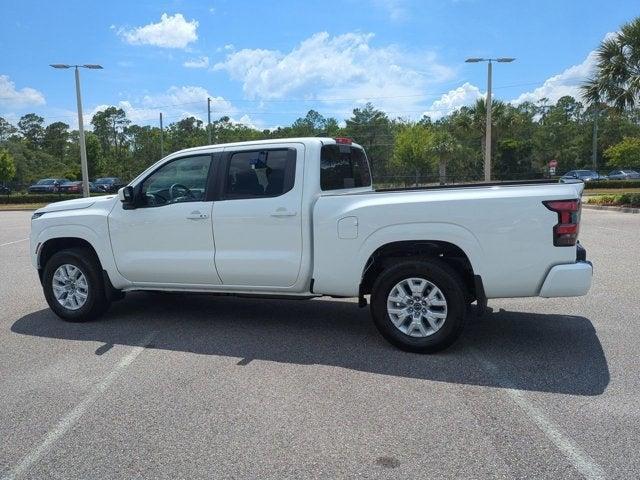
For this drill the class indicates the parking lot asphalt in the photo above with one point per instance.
(195, 386)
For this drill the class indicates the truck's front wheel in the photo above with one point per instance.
(73, 285)
(419, 306)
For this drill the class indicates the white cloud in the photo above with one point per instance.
(341, 67)
(200, 62)
(12, 97)
(176, 103)
(466, 94)
(228, 47)
(396, 9)
(566, 83)
(171, 32)
(188, 95)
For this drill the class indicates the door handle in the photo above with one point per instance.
(283, 212)
(197, 216)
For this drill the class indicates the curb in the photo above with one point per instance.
(611, 209)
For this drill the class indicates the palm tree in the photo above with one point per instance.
(443, 147)
(617, 78)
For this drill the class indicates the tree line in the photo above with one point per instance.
(526, 138)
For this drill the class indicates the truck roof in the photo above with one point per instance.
(305, 140)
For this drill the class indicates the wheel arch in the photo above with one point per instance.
(53, 245)
(393, 252)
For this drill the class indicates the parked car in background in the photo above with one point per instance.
(4, 190)
(76, 187)
(584, 175)
(109, 184)
(47, 185)
(624, 175)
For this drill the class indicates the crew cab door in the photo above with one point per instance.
(167, 237)
(257, 217)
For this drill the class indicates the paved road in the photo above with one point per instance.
(192, 386)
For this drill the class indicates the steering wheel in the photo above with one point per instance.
(175, 188)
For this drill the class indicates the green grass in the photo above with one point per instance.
(21, 206)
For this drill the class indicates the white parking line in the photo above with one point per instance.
(69, 420)
(580, 460)
(11, 243)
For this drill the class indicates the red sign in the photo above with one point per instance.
(553, 164)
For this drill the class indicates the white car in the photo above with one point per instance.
(298, 218)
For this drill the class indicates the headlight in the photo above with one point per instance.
(37, 215)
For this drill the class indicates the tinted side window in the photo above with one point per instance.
(182, 180)
(343, 166)
(260, 173)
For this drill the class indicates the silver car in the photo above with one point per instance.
(624, 175)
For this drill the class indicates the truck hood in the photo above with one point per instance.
(77, 204)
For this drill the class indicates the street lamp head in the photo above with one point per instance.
(93, 66)
(474, 60)
(60, 65)
(505, 59)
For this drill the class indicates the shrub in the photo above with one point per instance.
(612, 184)
(624, 199)
(21, 198)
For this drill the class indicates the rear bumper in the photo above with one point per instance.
(570, 280)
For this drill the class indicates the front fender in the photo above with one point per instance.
(100, 244)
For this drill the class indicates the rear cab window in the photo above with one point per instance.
(343, 167)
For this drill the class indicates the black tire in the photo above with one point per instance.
(441, 275)
(85, 260)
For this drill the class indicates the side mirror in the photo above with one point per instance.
(125, 194)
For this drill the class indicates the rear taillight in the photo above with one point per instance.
(565, 232)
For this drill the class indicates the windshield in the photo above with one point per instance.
(47, 181)
(103, 180)
(586, 173)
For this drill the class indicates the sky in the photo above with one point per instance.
(266, 63)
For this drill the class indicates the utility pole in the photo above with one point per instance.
(161, 138)
(83, 148)
(209, 118)
(487, 146)
(594, 152)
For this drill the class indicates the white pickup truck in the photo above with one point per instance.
(298, 218)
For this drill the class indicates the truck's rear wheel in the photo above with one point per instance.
(419, 306)
(73, 285)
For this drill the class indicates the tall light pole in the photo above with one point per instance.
(487, 143)
(83, 147)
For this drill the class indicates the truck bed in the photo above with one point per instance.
(504, 229)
